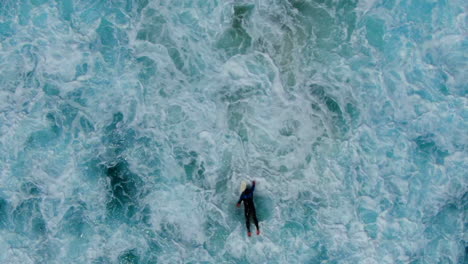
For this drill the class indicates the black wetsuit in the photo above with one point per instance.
(249, 207)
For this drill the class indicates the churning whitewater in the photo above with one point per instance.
(127, 126)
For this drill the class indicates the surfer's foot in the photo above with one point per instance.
(258, 232)
(249, 234)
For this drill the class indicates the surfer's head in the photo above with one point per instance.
(243, 186)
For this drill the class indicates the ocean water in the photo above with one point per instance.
(126, 127)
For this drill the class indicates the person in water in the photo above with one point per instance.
(249, 207)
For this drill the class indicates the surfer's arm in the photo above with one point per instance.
(240, 200)
(253, 186)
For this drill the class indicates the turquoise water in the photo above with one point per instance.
(126, 128)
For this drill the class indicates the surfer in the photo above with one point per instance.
(249, 207)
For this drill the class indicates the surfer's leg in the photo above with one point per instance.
(247, 219)
(254, 215)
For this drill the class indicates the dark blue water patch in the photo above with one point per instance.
(440, 81)
(176, 56)
(120, 17)
(5, 209)
(75, 221)
(8, 9)
(289, 127)
(111, 42)
(124, 191)
(38, 226)
(93, 12)
(81, 69)
(236, 40)
(85, 125)
(347, 12)
(101, 260)
(367, 216)
(30, 81)
(320, 252)
(52, 120)
(117, 136)
(149, 155)
(6, 30)
(80, 95)
(445, 223)
(464, 203)
(375, 30)
(354, 113)
(331, 104)
(51, 89)
(195, 171)
(465, 258)
(385, 204)
(24, 13)
(117, 120)
(419, 11)
(392, 187)
(118, 12)
(139, 5)
(427, 149)
(22, 165)
(433, 84)
(235, 94)
(147, 70)
(92, 170)
(115, 11)
(154, 29)
(417, 261)
(241, 13)
(66, 9)
(372, 230)
(264, 205)
(125, 188)
(399, 209)
(46, 137)
(39, 2)
(333, 109)
(409, 31)
(192, 164)
(107, 34)
(146, 215)
(129, 257)
(69, 114)
(46, 251)
(28, 220)
(312, 18)
(30, 189)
